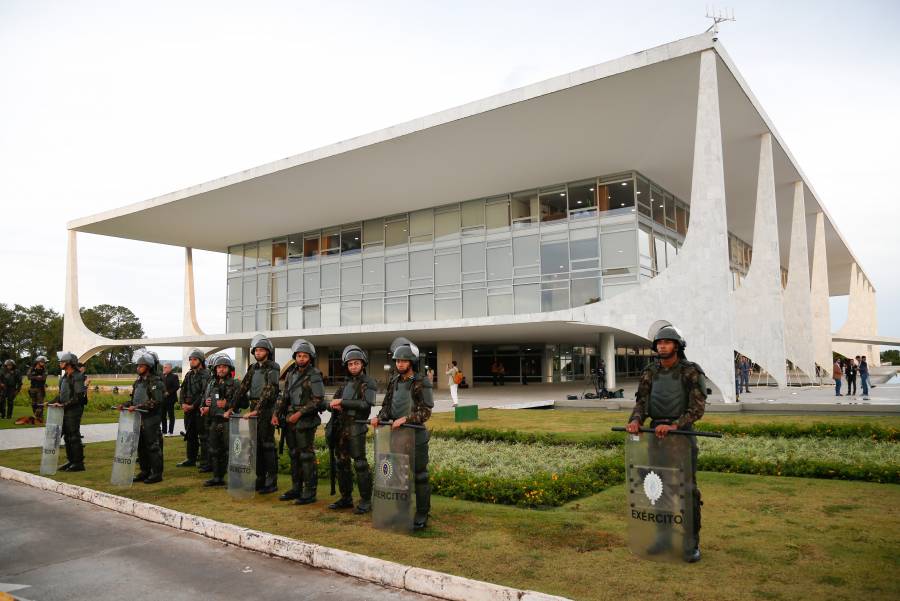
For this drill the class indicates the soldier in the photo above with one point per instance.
(72, 398)
(351, 403)
(37, 390)
(298, 408)
(147, 396)
(259, 392)
(408, 400)
(217, 408)
(192, 390)
(672, 393)
(10, 384)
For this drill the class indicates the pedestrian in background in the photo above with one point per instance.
(172, 384)
(850, 372)
(864, 376)
(452, 371)
(838, 374)
(745, 374)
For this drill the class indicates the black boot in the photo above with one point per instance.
(423, 501)
(186, 463)
(345, 484)
(65, 467)
(692, 555)
(310, 481)
(342, 503)
(215, 481)
(142, 475)
(153, 478)
(364, 481)
(294, 493)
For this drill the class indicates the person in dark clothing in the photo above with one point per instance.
(171, 384)
(864, 376)
(850, 372)
(10, 384)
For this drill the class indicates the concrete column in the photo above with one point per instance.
(819, 295)
(461, 352)
(606, 348)
(241, 357)
(758, 303)
(798, 314)
(189, 323)
(77, 338)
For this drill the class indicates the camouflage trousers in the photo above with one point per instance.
(350, 447)
(218, 446)
(37, 396)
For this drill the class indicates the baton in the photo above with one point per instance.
(682, 432)
(239, 416)
(126, 409)
(384, 423)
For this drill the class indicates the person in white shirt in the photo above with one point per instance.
(452, 370)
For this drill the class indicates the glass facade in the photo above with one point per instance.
(550, 248)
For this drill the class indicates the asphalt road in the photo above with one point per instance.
(56, 548)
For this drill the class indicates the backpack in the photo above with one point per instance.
(458, 377)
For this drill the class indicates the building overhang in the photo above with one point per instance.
(634, 113)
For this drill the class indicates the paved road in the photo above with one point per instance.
(56, 549)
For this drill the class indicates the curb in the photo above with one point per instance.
(363, 567)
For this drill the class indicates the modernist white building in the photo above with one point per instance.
(548, 226)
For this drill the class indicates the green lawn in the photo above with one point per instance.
(763, 537)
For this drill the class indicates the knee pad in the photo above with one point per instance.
(361, 465)
(307, 456)
(294, 453)
(422, 476)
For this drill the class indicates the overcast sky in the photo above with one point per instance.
(108, 103)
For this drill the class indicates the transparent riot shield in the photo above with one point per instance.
(393, 499)
(660, 496)
(126, 448)
(242, 457)
(52, 433)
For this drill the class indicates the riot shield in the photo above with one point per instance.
(126, 448)
(52, 433)
(241, 457)
(393, 499)
(660, 496)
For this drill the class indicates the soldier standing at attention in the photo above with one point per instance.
(192, 390)
(353, 402)
(409, 401)
(72, 398)
(10, 384)
(217, 407)
(147, 396)
(37, 390)
(672, 393)
(299, 406)
(259, 392)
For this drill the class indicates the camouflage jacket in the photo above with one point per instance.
(226, 388)
(422, 401)
(10, 380)
(312, 394)
(155, 393)
(194, 386)
(37, 377)
(265, 404)
(692, 379)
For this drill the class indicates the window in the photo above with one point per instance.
(658, 206)
(582, 198)
(279, 253)
(648, 265)
(373, 274)
(660, 244)
(263, 288)
(350, 313)
(295, 284)
(618, 250)
(250, 290)
(473, 259)
(311, 285)
(421, 265)
(500, 304)
(447, 308)
(351, 241)
(446, 269)
(295, 248)
(373, 232)
(396, 274)
(499, 263)
(235, 259)
(372, 311)
(311, 317)
(331, 282)
(421, 307)
(553, 203)
(250, 256)
(670, 211)
(585, 291)
(395, 310)
(527, 298)
(523, 208)
(265, 253)
(526, 251)
(554, 296)
(279, 287)
(496, 213)
(331, 241)
(584, 248)
(446, 222)
(234, 292)
(643, 197)
(421, 225)
(619, 196)
(395, 233)
(472, 214)
(351, 279)
(474, 302)
(311, 246)
(554, 258)
(680, 219)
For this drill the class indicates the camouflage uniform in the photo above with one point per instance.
(304, 392)
(357, 399)
(195, 425)
(73, 398)
(219, 388)
(37, 390)
(411, 397)
(259, 392)
(675, 396)
(10, 384)
(147, 394)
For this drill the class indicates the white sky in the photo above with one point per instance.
(108, 103)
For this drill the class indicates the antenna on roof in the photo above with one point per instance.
(718, 16)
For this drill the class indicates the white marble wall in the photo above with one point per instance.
(798, 327)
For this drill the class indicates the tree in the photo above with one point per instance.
(26, 332)
(891, 357)
(114, 322)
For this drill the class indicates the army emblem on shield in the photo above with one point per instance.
(236, 447)
(653, 487)
(387, 469)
